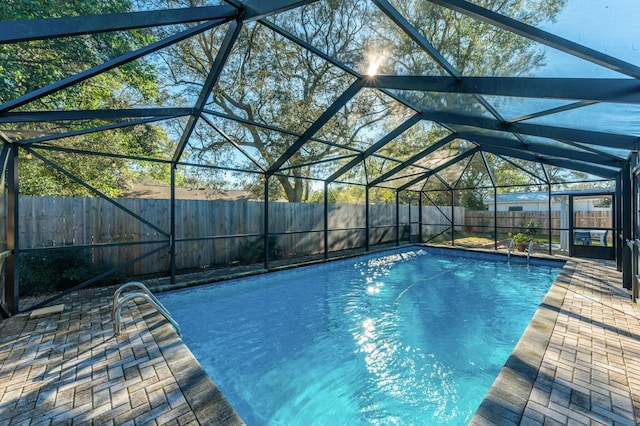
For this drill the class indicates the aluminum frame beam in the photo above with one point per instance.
(109, 65)
(443, 166)
(417, 37)
(519, 167)
(540, 36)
(615, 90)
(294, 39)
(375, 147)
(87, 131)
(93, 114)
(494, 182)
(589, 137)
(228, 138)
(571, 165)
(410, 161)
(275, 129)
(212, 78)
(258, 9)
(536, 148)
(42, 29)
(317, 125)
(550, 111)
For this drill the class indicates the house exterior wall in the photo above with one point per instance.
(579, 205)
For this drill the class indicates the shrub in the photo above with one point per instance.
(48, 271)
(253, 252)
(521, 240)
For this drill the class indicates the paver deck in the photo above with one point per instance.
(577, 364)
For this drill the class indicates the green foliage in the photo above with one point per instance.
(274, 81)
(531, 228)
(253, 251)
(48, 271)
(472, 200)
(29, 66)
(521, 240)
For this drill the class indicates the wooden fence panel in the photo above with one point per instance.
(297, 227)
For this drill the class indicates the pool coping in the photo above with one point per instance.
(510, 392)
(207, 402)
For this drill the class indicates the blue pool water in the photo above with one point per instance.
(412, 336)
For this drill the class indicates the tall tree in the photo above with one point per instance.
(27, 66)
(271, 80)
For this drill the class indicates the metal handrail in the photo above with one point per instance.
(510, 250)
(632, 243)
(529, 250)
(146, 294)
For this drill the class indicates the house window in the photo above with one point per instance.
(515, 208)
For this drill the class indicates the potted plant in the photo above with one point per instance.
(521, 241)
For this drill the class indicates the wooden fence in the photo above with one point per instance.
(209, 232)
(220, 232)
(483, 221)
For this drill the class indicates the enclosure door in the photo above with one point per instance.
(592, 226)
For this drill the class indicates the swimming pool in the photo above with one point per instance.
(410, 336)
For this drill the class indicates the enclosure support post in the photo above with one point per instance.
(618, 243)
(453, 219)
(12, 293)
(172, 236)
(366, 218)
(326, 219)
(549, 218)
(626, 227)
(495, 218)
(398, 219)
(266, 221)
(420, 216)
(571, 225)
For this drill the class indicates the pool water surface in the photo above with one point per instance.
(410, 336)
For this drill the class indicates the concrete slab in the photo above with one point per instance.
(47, 310)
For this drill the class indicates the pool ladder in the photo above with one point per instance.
(144, 293)
(529, 250)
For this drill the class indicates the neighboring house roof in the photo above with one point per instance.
(159, 191)
(528, 197)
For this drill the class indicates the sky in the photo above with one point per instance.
(609, 26)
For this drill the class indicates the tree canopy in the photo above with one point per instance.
(275, 84)
(28, 66)
(271, 80)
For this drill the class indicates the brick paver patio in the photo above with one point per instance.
(577, 364)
